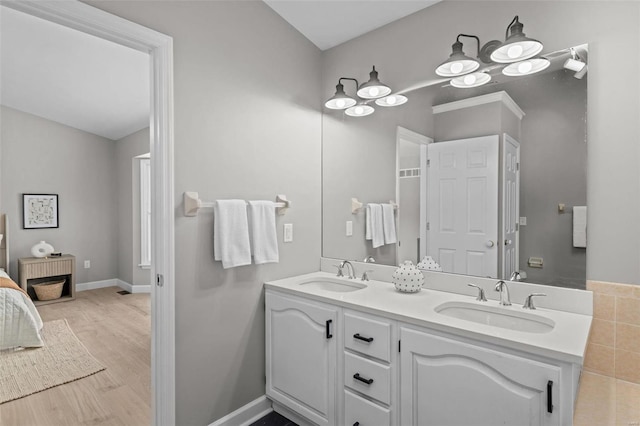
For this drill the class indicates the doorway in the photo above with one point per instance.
(85, 18)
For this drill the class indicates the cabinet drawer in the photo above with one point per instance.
(378, 375)
(363, 412)
(47, 269)
(371, 337)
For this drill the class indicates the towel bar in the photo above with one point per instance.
(356, 205)
(193, 203)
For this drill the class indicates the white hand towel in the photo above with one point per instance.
(580, 226)
(389, 224)
(374, 229)
(231, 233)
(264, 240)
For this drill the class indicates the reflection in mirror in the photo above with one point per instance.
(486, 179)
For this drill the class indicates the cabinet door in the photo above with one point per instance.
(447, 382)
(301, 356)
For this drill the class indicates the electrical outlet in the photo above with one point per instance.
(87, 264)
(349, 228)
(288, 232)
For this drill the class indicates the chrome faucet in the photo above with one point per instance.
(365, 275)
(369, 259)
(515, 276)
(528, 302)
(481, 297)
(502, 288)
(351, 271)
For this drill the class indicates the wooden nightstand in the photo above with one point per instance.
(34, 270)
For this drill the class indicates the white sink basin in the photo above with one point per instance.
(334, 284)
(513, 318)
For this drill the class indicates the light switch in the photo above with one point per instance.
(288, 232)
(523, 221)
(349, 228)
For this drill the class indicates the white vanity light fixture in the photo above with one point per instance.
(360, 110)
(526, 67)
(517, 46)
(391, 100)
(471, 80)
(458, 63)
(340, 100)
(367, 92)
(374, 88)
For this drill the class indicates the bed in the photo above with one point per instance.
(20, 323)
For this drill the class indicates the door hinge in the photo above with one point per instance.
(517, 226)
(428, 162)
(159, 280)
(517, 166)
(428, 226)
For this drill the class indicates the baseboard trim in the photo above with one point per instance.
(114, 282)
(134, 288)
(92, 285)
(246, 414)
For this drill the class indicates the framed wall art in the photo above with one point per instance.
(39, 211)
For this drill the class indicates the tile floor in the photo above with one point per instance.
(273, 419)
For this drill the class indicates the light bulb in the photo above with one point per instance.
(391, 100)
(374, 91)
(359, 110)
(456, 67)
(469, 79)
(525, 67)
(340, 103)
(514, 51)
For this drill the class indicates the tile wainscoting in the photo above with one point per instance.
(614, 342)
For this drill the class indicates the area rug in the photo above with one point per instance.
(62, 359)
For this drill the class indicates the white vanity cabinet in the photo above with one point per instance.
(331, 364)
(301, 356)
(449, 382)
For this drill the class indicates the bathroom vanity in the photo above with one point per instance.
(341, 351)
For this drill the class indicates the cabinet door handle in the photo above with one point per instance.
(362, 379)
(356, 424)
(364, 339)
(328, 329)
(550, 396)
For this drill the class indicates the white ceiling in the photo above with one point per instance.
(328, 23)
(71, 77)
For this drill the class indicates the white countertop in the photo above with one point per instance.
(566, 342)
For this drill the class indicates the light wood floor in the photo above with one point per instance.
(116, 330)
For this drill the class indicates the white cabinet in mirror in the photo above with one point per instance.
(478, 175)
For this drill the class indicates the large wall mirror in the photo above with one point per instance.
(487, 180)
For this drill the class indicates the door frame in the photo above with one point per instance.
(88, 19)
(404, 134)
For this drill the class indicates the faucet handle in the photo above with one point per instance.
(340, 273)
(528, 302)
(481, 296)
(365, 275)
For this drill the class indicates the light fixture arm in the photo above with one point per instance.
(471, 36)
(350, 79)
(515, 20)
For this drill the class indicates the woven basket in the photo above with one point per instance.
(49, 290)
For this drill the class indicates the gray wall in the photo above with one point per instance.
(247, 125)
(127, 170)
(407, 51)
(41, 156)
